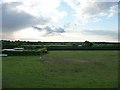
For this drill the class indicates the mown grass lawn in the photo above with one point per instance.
(86, 69)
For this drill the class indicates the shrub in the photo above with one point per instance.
(25, 52)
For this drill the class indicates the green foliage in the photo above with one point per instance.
(83, 48)
(43, 50)
(87, 44)
(25, 52)
(74, 45)
(60, 45)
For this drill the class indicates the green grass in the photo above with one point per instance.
(31, 72)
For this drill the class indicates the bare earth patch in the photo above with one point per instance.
(76, 60)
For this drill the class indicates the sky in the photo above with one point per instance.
(60, 20)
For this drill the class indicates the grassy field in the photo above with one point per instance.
(62, 69)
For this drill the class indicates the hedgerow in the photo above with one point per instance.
(82, 48)
(25, 52)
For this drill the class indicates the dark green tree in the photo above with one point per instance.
(87, 44)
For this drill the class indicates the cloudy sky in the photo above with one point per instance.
(60, 20)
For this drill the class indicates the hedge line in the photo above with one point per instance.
(25, 52)
(81, 48)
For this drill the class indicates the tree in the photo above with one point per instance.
(87, 44)
(74, 45)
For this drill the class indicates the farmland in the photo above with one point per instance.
(62, 69)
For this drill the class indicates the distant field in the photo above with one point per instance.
(62, 69)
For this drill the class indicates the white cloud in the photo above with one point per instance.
(14, 20)
(93, 36)
(56, 16)
(88, 10)
(45, 8)
(40, 7)
(35, 35)
(27, 33)
(72, 3)
(113, 10)
(84, 11)
(91, 11)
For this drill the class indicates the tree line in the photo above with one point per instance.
(7, 44)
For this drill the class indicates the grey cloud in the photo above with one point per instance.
(112, 34)
(38, 28)
(54, 30)
(61, 30)
(51, 31)
(13, 20)
(97, 10)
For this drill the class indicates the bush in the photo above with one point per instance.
(25, 52)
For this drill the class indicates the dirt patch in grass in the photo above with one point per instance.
(74, 60)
